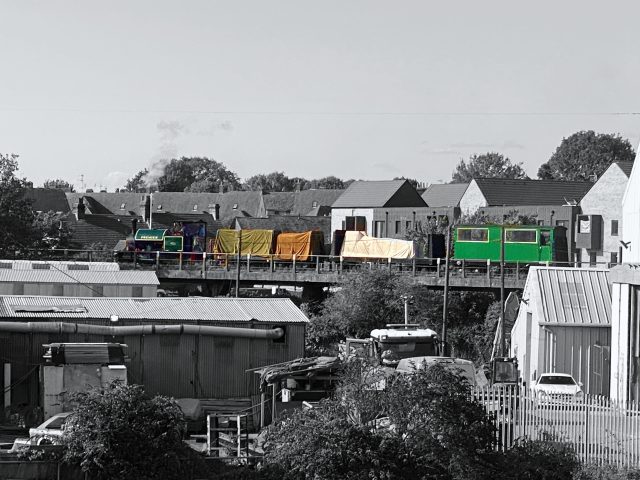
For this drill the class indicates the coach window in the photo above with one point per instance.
(520, 236)
(473, 235)
(545, 238)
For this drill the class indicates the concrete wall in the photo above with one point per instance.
(472, 200)
(605, 199)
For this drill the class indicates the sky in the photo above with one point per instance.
(92, 92)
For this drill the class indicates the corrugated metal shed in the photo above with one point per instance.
(270, 310)
(94, 277)
(59, 265)
(574, 296)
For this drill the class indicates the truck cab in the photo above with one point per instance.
(398, 341)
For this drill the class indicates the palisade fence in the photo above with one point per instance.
(597, 429)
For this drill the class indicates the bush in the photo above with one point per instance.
(538, 460)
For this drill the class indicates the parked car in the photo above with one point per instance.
(557, 386)
(49, 432)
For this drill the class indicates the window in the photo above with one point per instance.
(122, 205)
(314, 204)
(540, 222)
(614, 257)
(473, 234)
(521, 236)
(235, 206)
(40, 266)
(408, 225)
(614, 227)
(159, 207)
(195, 208)
(561, 223)
(584, 225)
(358, 224)
(397, 227)
(6, 265)
(545, 238)
(77, 267)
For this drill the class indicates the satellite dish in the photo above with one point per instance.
(511, 307)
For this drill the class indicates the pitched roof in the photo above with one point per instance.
(444, 195)
(625, 167)
(280, 201)
(380, 193)
(573, 295)
(171, 310)
(501, 191)
(232, 204)
(48, 199)
(105, 229)
(109, 202)
(310, 202)
(84, 277)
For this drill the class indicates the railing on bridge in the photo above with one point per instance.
(596, 428)
(316, 264)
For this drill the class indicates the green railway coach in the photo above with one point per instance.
(522, 243)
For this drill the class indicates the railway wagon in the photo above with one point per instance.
(522, 243)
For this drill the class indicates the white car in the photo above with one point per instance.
(557, 386)
(49, 432)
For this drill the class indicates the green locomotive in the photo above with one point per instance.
(522, 243)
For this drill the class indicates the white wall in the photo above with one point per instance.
(620, 316)
(631, 215)
(339, 214)
(472, 200)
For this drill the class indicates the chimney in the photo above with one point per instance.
(145, 207)
(216, 211)
(81, 209)
(134, 226)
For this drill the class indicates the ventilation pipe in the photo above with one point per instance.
(182, 329)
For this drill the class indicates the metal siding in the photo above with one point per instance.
(115, 277)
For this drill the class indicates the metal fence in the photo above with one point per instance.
(597, 429)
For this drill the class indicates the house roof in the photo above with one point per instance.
(232, 204)
(382, 193)
(105, 229)
(85, 277)
(310, 202)
(573, 296)
(625, 167)
(444, 195)
(171, 310)
(282, 202)
(48, 199)
(109, 202)
(501, 191)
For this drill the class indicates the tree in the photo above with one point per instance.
(137, 182)
(488, 165)
(16, 215)
(585, 155)
(271, 182)
(196, 174)
(59, 184)
(120, 433)
(329, 183)
(412, 181)
(52, 230)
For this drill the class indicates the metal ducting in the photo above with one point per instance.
(182, 329)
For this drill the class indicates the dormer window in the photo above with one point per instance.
(159, 207)
(235, 206)
(195, 208)
(314, 204)
(122, 205)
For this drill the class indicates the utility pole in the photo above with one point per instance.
(502, 326)
(238, 263)
(446, 291)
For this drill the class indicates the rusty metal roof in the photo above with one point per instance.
(93, 277)
(268, 310)
(573, 295)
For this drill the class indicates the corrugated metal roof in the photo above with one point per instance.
(59, 265)
(270, 310)
(118, 277)
(574, 295)
(445, 195)
(502, 191)
(379, 193)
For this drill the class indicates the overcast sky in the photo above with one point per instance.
(357, 89)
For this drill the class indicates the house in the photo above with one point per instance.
(599, 226)
(445, 198)
(564, 325)
(387, 208)
(189, 360)
(48, 200)
(551, 202)
(73, 279)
